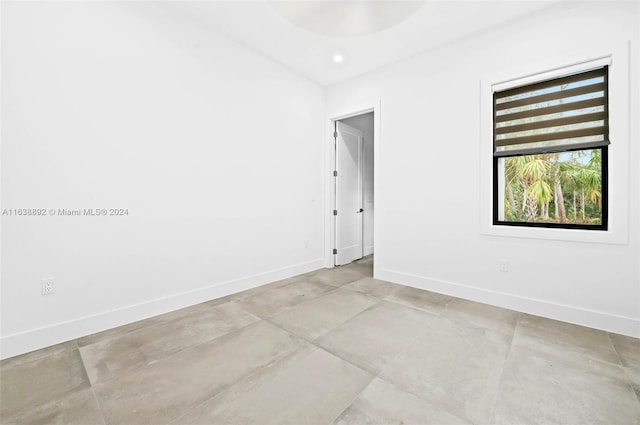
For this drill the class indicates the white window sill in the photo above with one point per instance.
(569, 235)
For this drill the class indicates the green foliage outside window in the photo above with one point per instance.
(563, 187)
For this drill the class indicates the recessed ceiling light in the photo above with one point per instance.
(337, 58)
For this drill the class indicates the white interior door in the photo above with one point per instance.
(349, 198)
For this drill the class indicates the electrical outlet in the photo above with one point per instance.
(48, 286)
(504, 266)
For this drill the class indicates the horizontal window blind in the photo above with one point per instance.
(566, 113)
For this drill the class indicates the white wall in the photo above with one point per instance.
(428, 196)
(215, 151)
(365, 124)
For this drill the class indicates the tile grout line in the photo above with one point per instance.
(91, 388)
(380, 301)
(118, 373)
(238, 300)
(429, 402)
(356, 396)
(100, 409)
(376, 375)
(586, 354)
(311, 343)
(615, 349)
(261, 316)
(437, 307)
(419, 397)
(324, 294)
(504, 368)
(352, 400)
(169, 355)
(244, 378)
(623, 368)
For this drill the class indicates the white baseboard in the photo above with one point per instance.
(368, 250)
(34, 339)
(566, 313)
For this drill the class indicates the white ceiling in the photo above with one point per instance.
(258, 25)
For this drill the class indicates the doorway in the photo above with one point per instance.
(353, 192)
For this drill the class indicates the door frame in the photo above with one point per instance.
(329, 182)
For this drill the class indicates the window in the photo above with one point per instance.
(550, 152)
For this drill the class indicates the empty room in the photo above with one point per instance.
(320, 212)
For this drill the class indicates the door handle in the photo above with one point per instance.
(361, 210)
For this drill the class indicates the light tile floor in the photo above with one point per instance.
(332, 346)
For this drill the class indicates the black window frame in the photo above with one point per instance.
(602, 146)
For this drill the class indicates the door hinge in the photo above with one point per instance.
(335, 134)
(335, 251)
(335, 212)
(335, 174)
